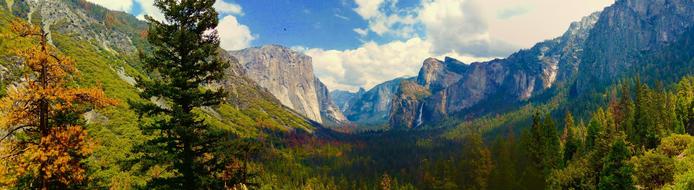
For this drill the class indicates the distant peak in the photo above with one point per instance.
(449, 60)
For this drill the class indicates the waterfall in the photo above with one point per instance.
(419, 118)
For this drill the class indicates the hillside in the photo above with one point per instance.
(104, 45)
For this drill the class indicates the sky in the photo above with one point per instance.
(361, 43)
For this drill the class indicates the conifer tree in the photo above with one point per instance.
(184, 60)
(477, 164)
(616, 172)
(43, 140)
(571, 143)
(551, 145)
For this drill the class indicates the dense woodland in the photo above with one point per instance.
(639, 138)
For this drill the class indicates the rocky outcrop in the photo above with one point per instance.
(330, 113)
(626, 39)
(372, 107)
(288, 75)
(342, 98)
(636, 36)
(71, 17)
(464, 90)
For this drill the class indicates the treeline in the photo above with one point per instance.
(641, 139)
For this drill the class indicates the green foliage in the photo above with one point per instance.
(653, 170)
(477, 163)
(616, 172)
(185, 59)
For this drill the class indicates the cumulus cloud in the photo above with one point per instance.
(368, 8)
(118, 5)
(384, 18)
(149, 9)
(468, 30)
(224, 7)
(459, 26)
(373, 63)
(233, 35)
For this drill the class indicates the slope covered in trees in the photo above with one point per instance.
(630, 135)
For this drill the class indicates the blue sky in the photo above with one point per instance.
(361, 43)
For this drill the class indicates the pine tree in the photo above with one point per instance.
(645, 117)
(43, 142)
(571, 144)
(551, 145)
(534, 141)
(616, 172)
(594, 130)
(624, 116)
(685, 103)
(477, 163)
(183, 61)
(504, 164)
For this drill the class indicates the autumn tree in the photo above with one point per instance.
(184, 60)
(43, 139)
(386, 182)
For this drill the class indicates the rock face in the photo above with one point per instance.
(371, 107)
(455, 88)
(637, 36)
(70, 17)
(622, 41)
(288, 75)
(330, 113)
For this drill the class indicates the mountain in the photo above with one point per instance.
(651, 38)
(330, 113)
(288, 75)
(104, 45)
(451, 88)
(341, 98)
(632, 37)
(368, 108)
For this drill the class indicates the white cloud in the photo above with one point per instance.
(460, 26)
(118, 5)
(233, 35)
(373, 63)
(362, 31)
(368, 8)
(227, 8)
(385, 18)
(148, 8)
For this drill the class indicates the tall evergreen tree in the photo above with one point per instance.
(624, 116)
(644, 118)
(504, 164)
(477, 163)
(183, 61)
(685, 103)
(616, 172)
(571, 143)
(551, 146)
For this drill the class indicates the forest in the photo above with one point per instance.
(161, 134)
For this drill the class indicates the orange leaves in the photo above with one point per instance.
(24, 29)
(58, 155)
(41, 143)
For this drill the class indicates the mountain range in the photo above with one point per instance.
(628, 38)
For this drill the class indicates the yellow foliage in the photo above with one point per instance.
(41, 118)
